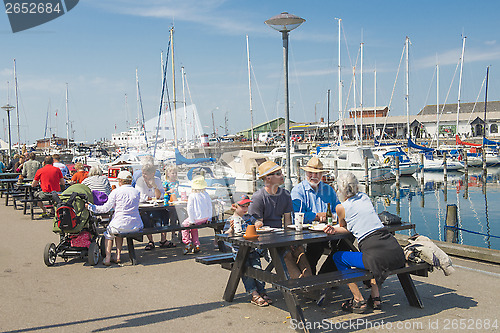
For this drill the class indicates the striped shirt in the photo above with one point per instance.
(98, 183)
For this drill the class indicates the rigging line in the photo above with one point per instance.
(434, 73)
(258, 91)
(345, 41)
(142, 112)
(449, 90)
(163, 88)
(477, 99)
(392, 94)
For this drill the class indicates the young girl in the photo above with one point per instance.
(171, 184)
(199, 208)
(237, 226)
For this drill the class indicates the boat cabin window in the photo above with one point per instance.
(494, 128)
(368, 153)
(342, 155)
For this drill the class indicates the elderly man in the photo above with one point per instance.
(30, 167)
(151, 187)
(272, 206)
(312, 197)
(50, 179)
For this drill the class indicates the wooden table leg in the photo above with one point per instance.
(131, 250)
(290, 300)
(410, 290)
(236, 273)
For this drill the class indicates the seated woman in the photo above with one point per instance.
(379, 250)
(125, 202)
(96, 181)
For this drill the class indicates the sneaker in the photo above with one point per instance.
(196, 249)
(188, 248)
(43, 215)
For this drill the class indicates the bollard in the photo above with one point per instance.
(336, 169)
(254, 179)
(297, 171)
(396, 158)
(451, 221)
(445, 171)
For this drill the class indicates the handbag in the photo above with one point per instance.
(388, 218)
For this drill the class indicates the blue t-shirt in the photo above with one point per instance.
(2, 167)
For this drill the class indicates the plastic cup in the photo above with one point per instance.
(299, 221)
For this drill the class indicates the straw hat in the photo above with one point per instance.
(314, 165)
(267, 167)
(199, 183)
(124, 174)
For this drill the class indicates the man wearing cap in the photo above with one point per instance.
(312, 197)
(126, 218)
(272, 206)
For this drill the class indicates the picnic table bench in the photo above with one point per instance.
(277, 242)
(162, 224)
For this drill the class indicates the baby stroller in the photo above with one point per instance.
(76, 227)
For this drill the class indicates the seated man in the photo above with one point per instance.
(151, 187)
(272, 206)
(312, 197)
(50, 179)
(58, 164)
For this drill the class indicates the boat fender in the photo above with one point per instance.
(387, 160)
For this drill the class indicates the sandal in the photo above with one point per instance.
(371, 303)
(354, 306)
(266, 298)
(258, 300)
(150, 246)
(167, 244)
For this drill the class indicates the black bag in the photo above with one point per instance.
(388, 218)
(66, 218)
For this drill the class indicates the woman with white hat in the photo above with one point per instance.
(125, 202)
(199, 209)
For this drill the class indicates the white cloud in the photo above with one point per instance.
(490, 42)
(452, 57)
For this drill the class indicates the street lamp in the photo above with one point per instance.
(9, 108)
(285, 23)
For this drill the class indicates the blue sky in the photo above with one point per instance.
(97, 46)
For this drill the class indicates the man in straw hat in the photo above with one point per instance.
(272, 206)
(312, 197)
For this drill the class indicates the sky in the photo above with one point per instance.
(97, 46)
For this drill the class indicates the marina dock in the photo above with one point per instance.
(169, 292)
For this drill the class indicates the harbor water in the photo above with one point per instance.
(425, 204)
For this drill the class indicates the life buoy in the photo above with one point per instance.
(387, 202)
(387, 160)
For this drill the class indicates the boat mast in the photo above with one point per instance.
(361, 91)
(183, 73)
(250, 94)
(173, 86)
(67, 115)
(460, 80)
(375, 104)
(17, 109)
(356, 133)
(437, 105)
(407, 42)
(340, 92)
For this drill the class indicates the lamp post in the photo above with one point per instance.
(9, 108)
(285, 23)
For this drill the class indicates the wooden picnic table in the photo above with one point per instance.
(277, 242)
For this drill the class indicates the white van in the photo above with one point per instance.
(263, 137)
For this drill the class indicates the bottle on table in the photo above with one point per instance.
(329, 215)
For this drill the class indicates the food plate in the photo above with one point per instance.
(265, 229)
(318, 227)
(304, 226)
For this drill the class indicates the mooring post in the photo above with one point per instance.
(451, 223)
(396, 158)
(445, 171)
(336, 169)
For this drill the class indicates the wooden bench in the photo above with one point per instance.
(337, 278)
(131, 236)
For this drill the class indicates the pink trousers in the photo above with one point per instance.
(191, 235)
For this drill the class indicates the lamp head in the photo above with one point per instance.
(284, 22)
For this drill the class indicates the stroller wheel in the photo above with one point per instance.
(102, 246)
(49, 254)
(94, 254)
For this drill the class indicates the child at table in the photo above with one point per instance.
(199, 209)
(171, 184)
(237, 226)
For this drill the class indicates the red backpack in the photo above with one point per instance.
(66, 218)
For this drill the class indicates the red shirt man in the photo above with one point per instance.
(50, 179)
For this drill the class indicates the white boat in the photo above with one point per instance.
(387, 155)
(297, 160)
(352, 158)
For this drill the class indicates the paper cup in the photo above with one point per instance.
(299, 221)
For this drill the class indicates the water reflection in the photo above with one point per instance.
(435, 193)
